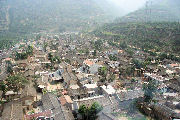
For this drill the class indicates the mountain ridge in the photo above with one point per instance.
(154, 11)
(51, 15)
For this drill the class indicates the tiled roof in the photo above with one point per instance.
(89, 101)
(50, 102)
(88, 62)
(13, 111)
(128, 95)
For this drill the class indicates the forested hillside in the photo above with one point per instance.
(19, 18)
(160, 36)
(155, 26)
(155, 11)
(24, 16)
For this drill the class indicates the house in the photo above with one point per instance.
(51, 102)
(113, 52)
(174, 84)
(13, 111)
(113, 64)
(90, 66)
(72, 47)
(66, 101)
(84, 78)
(22, 64)
(108, 90)
(94, 68)
(57, 75)
(39, 115)
(92, 89)
(42, 83)
(28, 97)
(173, 65)
(9, 59)
(41, 57)
(158, 79)
(12, 95)
(89, 101)
(77, 93)
(125, 95)
(29, 71)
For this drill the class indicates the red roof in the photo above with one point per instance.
(65, 99)
(32, 116)
(62, 100)
(64, 92)
(174, 65)
(8, 59)
(88, 62)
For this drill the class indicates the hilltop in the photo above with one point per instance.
(159, 36)
(24, 16)
(155, 11)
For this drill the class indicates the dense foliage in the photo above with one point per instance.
(155, 11)
(149, 90)
(159, 36)
(24, 16)
(90, 113)
(14, 83)
(28, 52)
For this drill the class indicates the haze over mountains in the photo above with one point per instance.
(155, 11)
(25, 16)
(53, 15)
(153, 26)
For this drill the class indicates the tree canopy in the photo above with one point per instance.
(15, 82)
(90, 113)
(149, 90)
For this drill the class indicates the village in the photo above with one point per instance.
(55, 77)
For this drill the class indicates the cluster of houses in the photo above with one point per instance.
(56, 90)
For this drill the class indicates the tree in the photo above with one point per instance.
(94, 110)
(29, 50)
(38, 37)
(113, 57)
(121, 71)
(21, 56)
(83, 110)
(87, 51)
(137, 63)
(58, 60)
(130, 70)
(15, 82)
(50, 56)
(149, 90)
(111, 78)
(3, 88)
(90, 113)
(45, 44)
(94, 53)
(98, 44)
(47, 65)
(102, 71)
(68, 61)
(123, 45)
(129, 51)
(103, 79)
(163, 56)
(9, 67)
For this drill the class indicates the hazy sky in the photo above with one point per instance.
(128, 5)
